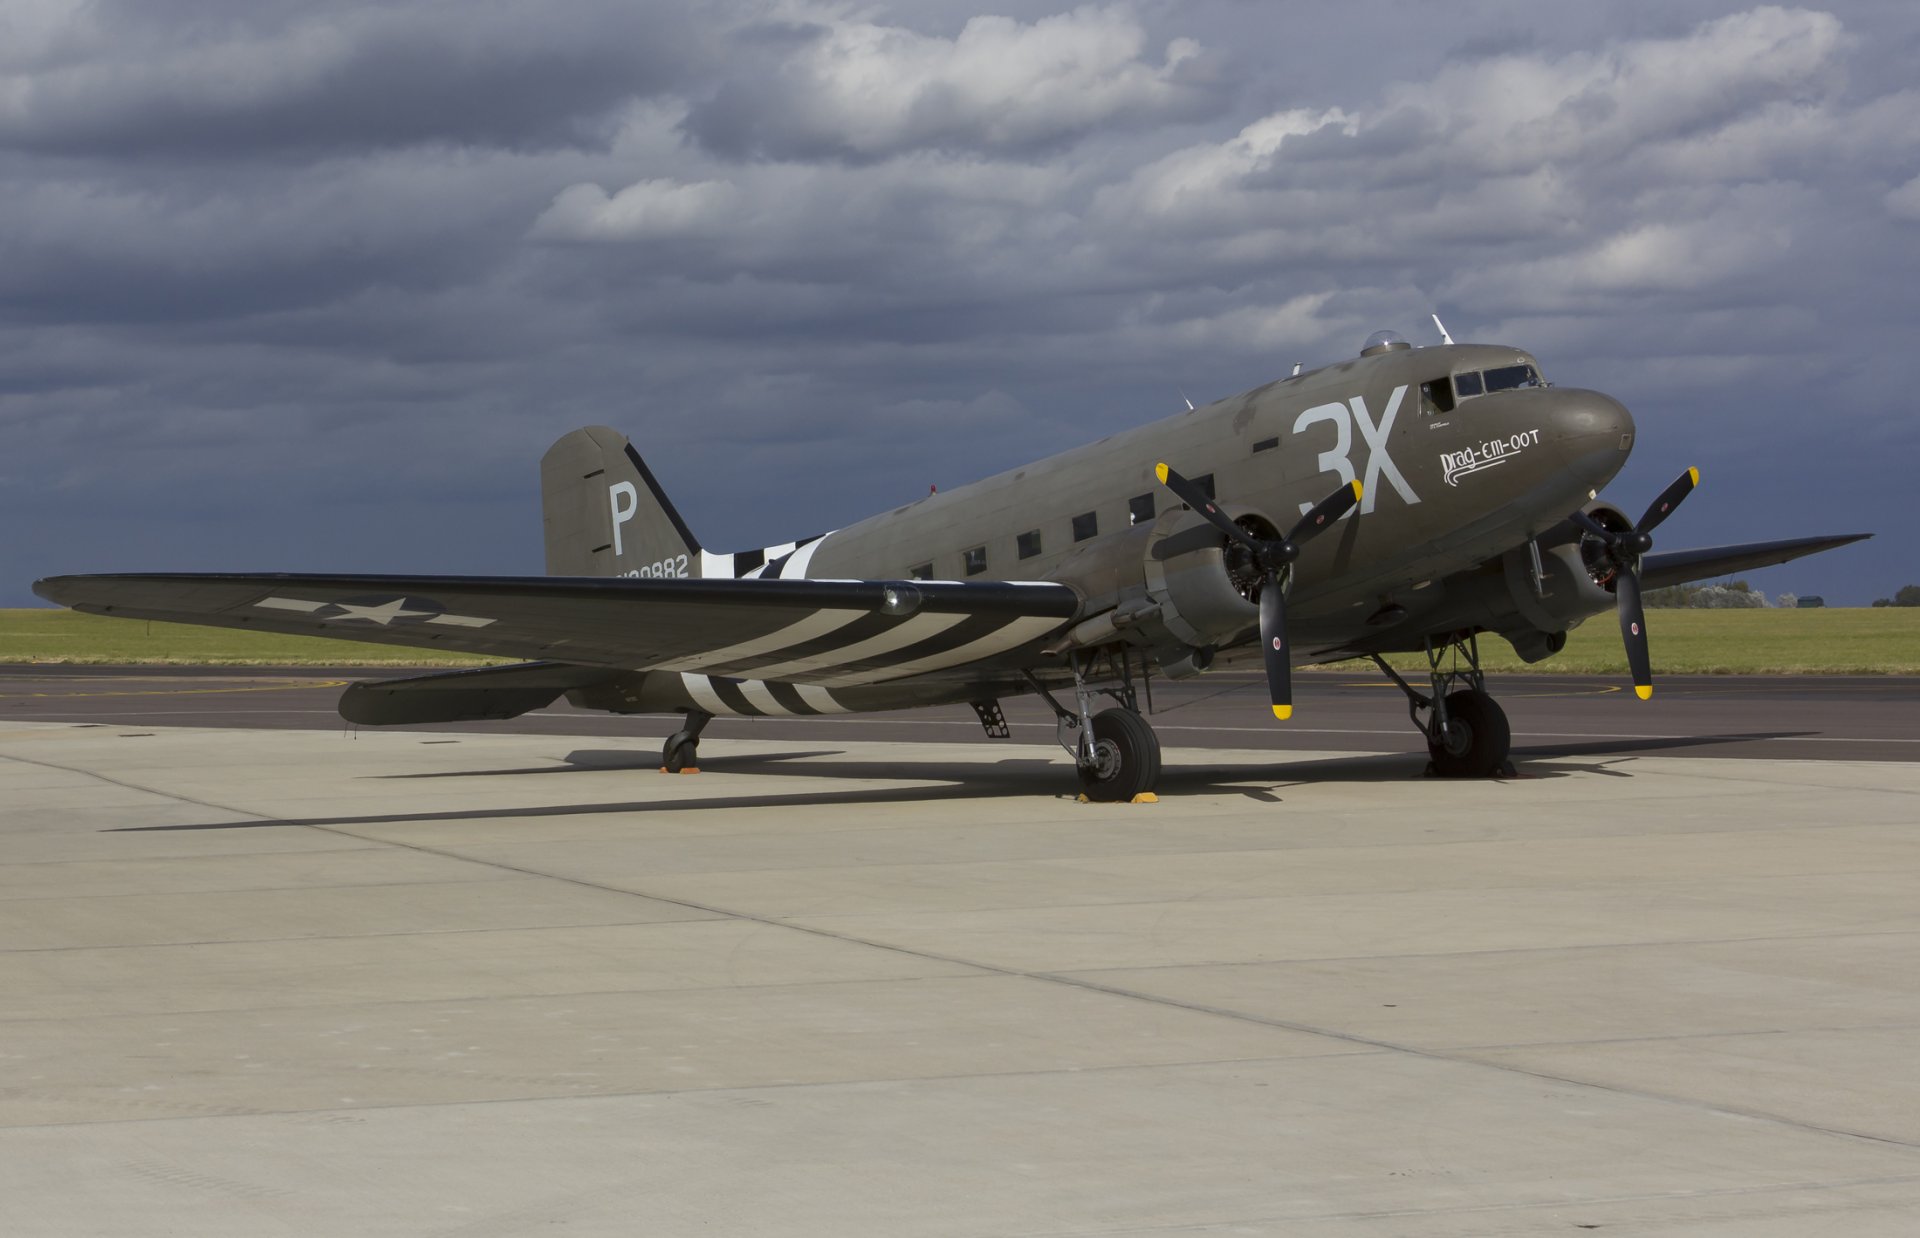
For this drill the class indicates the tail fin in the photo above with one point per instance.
(605, 515)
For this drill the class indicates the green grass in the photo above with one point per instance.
(1827, 641)
(1833, 641)
(45, 635)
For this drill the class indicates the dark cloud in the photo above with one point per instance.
(137, 81)
(311, 286)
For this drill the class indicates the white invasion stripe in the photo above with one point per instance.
(771, 553)
(914, 630)
(820, 699)
(796, 567)
(758, 695)
(460, 621)
(712, 565)
(306, 608)
(700, 688)
(819, 623)
(1016, 633)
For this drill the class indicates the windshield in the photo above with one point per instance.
(1505, 378)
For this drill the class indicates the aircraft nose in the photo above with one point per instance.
(1591, 419)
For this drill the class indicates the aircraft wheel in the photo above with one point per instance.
(1477, 739)
(1126, 757)
(682, 750)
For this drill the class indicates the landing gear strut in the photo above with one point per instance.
(1115, 751)
(1467, 732)
(682, 750)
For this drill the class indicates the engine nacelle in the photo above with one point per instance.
(1574, 582)
(1205, 598)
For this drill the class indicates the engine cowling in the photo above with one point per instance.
(1574, 582)
(1206, 596)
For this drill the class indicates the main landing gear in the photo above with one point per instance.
(1467, 732)
(682, 751)
(1115, 752)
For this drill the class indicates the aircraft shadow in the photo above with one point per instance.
(1011, 776)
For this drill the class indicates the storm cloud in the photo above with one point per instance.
(310, 287)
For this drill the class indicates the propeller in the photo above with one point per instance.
(1269, 559)
(1623, 551)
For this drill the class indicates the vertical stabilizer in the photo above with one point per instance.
(605, 515)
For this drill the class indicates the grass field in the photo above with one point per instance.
(48, 635)
(1833, 641)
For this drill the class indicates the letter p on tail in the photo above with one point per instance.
(605, 514)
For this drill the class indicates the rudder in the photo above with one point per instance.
(604, 513)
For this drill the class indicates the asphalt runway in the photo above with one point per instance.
(1750, 717)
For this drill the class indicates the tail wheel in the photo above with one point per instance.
(681, 752)
(1126, 757)
(1477, 737)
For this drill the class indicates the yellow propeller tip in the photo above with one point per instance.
(1695, 475)
(1644, 691)
(1283, 712)
(1160, 471)
(1357, 495)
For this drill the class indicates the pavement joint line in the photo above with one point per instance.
(1679, 1101)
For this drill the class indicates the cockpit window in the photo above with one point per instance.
(1465, 385)
(1511, 378)
(1438, 395)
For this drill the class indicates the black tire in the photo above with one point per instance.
(1127, 755)
(1478, 738)
(681, 751)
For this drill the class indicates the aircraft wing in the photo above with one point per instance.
(1677, 567)
(783, 631)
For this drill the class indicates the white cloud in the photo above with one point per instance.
(650, 210)
(1904, 202)
(863, 90)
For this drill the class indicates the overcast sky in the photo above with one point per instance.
(311, 286)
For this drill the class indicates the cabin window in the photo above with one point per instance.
(1086, 525)
(1467, 385)
(1028, 544)
(923, 571)
(1140, 508)
(1437, 396)
(1512, 378)
(1266, 444)
(975, 560)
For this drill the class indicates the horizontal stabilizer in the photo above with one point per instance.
(483, 694)
(1677, 567)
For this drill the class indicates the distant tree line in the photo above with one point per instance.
(1738, 595)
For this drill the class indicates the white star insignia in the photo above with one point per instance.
(383, 614)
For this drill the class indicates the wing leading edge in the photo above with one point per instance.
(1677, 567)
(833, 632)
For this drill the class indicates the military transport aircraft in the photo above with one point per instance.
(1409, 499)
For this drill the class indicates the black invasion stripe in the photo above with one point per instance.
(964, 633)
(728, 690)
(745, 561)
(863, 628)
(789, 696)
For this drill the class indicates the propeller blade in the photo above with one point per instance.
(1273, 648)
(1196, 498)
(1669, 499)
(1633, 631)
(1328, 510)
(1593, 526)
